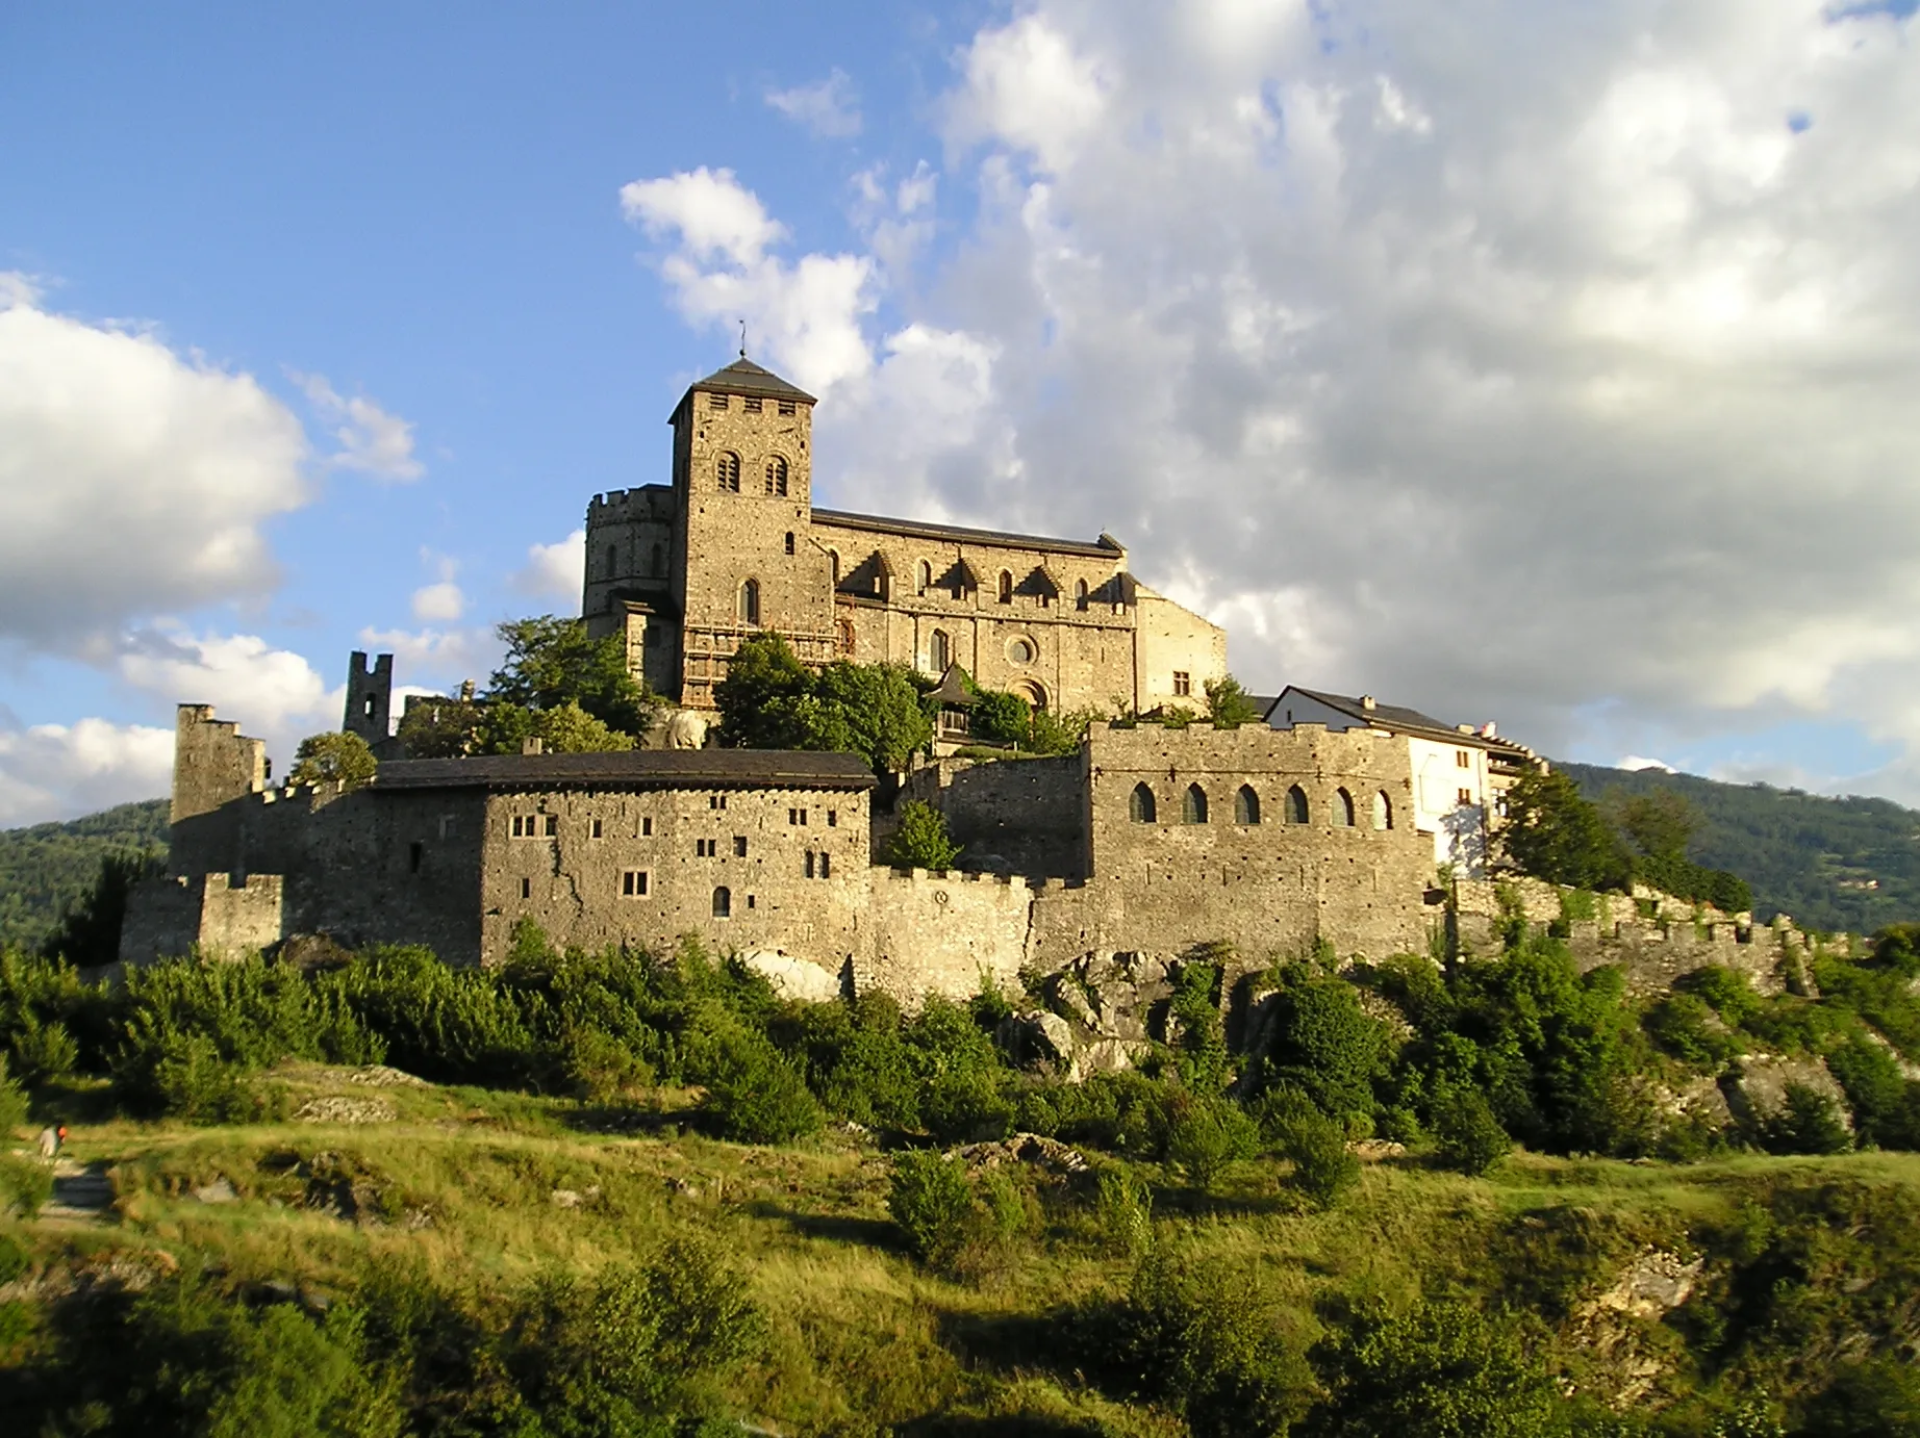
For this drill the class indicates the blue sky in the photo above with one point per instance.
(1538, 366)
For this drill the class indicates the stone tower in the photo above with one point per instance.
(742, 492)
(369, 698)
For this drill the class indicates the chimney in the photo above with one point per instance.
(532, 745)
(1366, 702)
(1487, 731)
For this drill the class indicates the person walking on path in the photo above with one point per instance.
(52, 1139)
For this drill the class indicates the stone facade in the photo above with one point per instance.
(734, 546)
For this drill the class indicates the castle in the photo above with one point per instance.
(1328, 821)
(734, 545)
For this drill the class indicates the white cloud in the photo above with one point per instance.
(441, 602)
(131, 478)
(53, 771)
(274, 693)
(1633, 763)
(828, 108)
(554, 571)
(1029, 86)
(709, 211)
(446, 655)
(372, 441)
(21, 289)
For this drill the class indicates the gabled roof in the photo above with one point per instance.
(743, 376)
(636, 769)
(1394, 717)
(961, 573)
(952, 690)
(1106, 547)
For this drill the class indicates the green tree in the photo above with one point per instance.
(1228, 705)
(1001, 718)
(873, 710)
(569, 729)
(88, 934)
(767, 699)
(1659, 824)
(339, 758)
(922, 841)
(1554, 834)
(550, 662)
(1324, 1043)
(439, 728)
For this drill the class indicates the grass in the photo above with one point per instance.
(462, 1186)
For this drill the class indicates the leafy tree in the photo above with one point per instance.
(1001, 718)
(569, 729)
(1554, 834)
(922, 841)
(1659, 824)
(443, 728)
(1324, 1043)
(1228, 705)
(758, 699)
(339, 758)
(550, 662)
(1207, 1135)
(878, 710)
(1471, 1139)
(88, 934)
(1806, 1123)
(1323, 1166)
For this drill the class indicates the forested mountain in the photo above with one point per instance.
(46, 867)
(1834, 864)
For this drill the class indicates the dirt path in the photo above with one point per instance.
(80, 1190)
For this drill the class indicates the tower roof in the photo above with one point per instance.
(743, 376)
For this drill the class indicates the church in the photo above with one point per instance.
(734, 546)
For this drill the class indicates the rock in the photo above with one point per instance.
(1066, 994)
(1613, 1324)
(339, 1109)
(1108, 1056)
(1373, 1150)
(219, 1191)
(1035, 1036)
(572, 1198)
(1759, 1090)
(380, 1076)
(793, 978)
(1049, 1153)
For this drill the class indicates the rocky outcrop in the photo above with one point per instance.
(1103, 1011)
(1758, 1090)
(793, 978)
(1613, 1325)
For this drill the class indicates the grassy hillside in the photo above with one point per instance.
(1805, 854)
(45, 867)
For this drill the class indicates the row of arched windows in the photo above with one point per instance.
(726, 473)
(1144, 808)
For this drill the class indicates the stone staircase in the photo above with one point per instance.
(80, 1191)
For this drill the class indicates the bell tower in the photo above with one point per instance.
(743, 485)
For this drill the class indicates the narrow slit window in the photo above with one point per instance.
(553, 825)
(789, 541)
(526, 888)
(416, 851)
(598, 831)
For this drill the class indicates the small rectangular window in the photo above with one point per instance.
(597, 831)
(739, 846)
(526, 888)
(789, 541)
(1461, 760)
(646, 828)
(786, 406)
(416, 851)
(716, 401)
(809, 863)
(826, 866)
(1466, 796)
(716, 801)
(750, 403)
(793, 816)
(553, 825)
(706, 848)
(633, 884)
(1182, 683)
(749, 901)
(833, 818)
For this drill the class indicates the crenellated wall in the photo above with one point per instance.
(942, 933)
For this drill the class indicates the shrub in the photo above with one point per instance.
(754, 1092)
(25, 1184)
(13, 1104)
(922, 841)
(1201, 1337)
(929, 1198)
(1470, 1137)
(1681, 1023)
(44, 1051)
(1727, 991)
(1325, 1043)
(1323, 1168)
(1207, 1135)
(1123, 1207)
(1870, 1399)
(1441, 1371)
(1806, 1123)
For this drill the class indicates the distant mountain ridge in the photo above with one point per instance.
(45, 867)
(1848, 864)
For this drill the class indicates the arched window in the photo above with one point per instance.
(726, 470)
(939, 651)
(750, 601)
(1006, 586)
(613, 559)
(1342, 810)
(789, 541)
(1140, 805)
(833, 566)
(1382, 811)
(1246, 806)
(922, 577)
(1296, 805)
(1193, 808)
(723, 902)
(1080, 594)
(776, 476)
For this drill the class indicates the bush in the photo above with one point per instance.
(1207, 1135)
(13, 1104)
(1323, 1168)
(929, 1198)
(1877, 1398)
(1324, 1043)
(1123, 1208)
(1200, 1337)
(25, 1184)
(922, 841)
(1682, 1024)
(1470, 1137)
(754, 1093)
(1807, 1122)
(1441, 1371)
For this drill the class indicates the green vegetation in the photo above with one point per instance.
(922, 840)
(770, 700)
(651, 1197)
(47, 868)
(333, 758)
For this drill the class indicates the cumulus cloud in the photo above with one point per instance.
(554, 571)
(372, 441)
(443, 601)
(828, 108)
(1633, 763)
(444, 655)
(271, 692)
(52, 771)
(132, 478)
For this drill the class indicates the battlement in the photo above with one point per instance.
(616, 504)
(952, 876)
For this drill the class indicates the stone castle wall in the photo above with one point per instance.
(1011, 816)
(943, 933)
